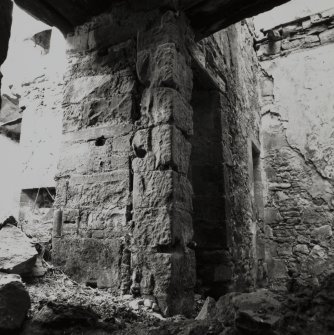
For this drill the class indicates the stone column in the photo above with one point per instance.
(162, 262)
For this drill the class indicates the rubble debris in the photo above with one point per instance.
(11, 220)
(14, 302)
(17, 253)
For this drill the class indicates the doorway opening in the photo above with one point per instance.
(208, 180)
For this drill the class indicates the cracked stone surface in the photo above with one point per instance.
(298, 151)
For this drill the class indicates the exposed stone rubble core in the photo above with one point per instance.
(297, 140)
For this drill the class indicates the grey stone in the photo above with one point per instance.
(62, 316)
(302, 248)
(17, 253)
(256, 306)
(208, 311)
(14, 302)
(81, 88)
(322, 233)
(251, 322)
(327, 36)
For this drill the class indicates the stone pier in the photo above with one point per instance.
(122, 186)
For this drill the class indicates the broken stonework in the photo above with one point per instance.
(257, 312)
(297, 126)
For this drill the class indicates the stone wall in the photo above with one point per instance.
(226, 116)
(308, 32)
(297, 137)
(124, 193)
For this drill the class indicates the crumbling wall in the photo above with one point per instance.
(297, 138)
(124, 196)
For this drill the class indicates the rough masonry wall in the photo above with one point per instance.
(226, 219)
(123, 197)
(298, 142)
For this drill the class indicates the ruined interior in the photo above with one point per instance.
(171, 158)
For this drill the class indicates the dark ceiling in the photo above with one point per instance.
(6, 7)
(206, 16)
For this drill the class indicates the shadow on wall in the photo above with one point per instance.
(207, 175)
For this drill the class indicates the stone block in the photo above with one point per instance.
(94, 133)
(122, 144)
(142, 165)
(162, 227)
(165, 66)
(105, 190)
(322, 233)
(267, 86)
(80, 88)
(262, 301)
(208, 311)
(292, 44)
(166, 105)
(312, 40)
(153, 227)
(95, 155)
(327, 36)
(113, 221)
(271, 215)
(89, 260)
(174, 278)
(17, 253)
(170, 148)
(301, 248)
(171, 70)
(161, 188)
(96, 112)
(270, 49)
